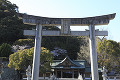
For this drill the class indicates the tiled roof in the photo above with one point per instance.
(76, 64)
(72, 64)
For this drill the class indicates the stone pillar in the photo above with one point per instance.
(104, 71)
(84, 75)
(28, 72)
(115, 78)
(93, 53)
(37, 50)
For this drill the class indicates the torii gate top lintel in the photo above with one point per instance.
(46, 21)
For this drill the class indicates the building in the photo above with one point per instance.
(68, 68)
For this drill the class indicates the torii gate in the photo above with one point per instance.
(65, 24)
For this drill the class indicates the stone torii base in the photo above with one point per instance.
(65, 24)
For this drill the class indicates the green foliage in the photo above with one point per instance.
(71, 44)
(46, 58)
(22, 42)
(5, 50)
(10, 25)
(108, 54)
(4, 58)
(21, 59)
(84, 53)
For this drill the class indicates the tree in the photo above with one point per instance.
(10, 25)
(108, 54)
(23, 58)
(84, 53)
(45, 59)
(5, 50)
(23, 42)
(68, 43)
(59, 54)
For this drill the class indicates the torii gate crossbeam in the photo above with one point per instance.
(65, 24)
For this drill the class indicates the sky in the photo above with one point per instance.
(75, 9)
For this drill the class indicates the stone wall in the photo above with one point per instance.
(9, 73)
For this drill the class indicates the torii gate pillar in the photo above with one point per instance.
(93, 53)
(37, 50)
